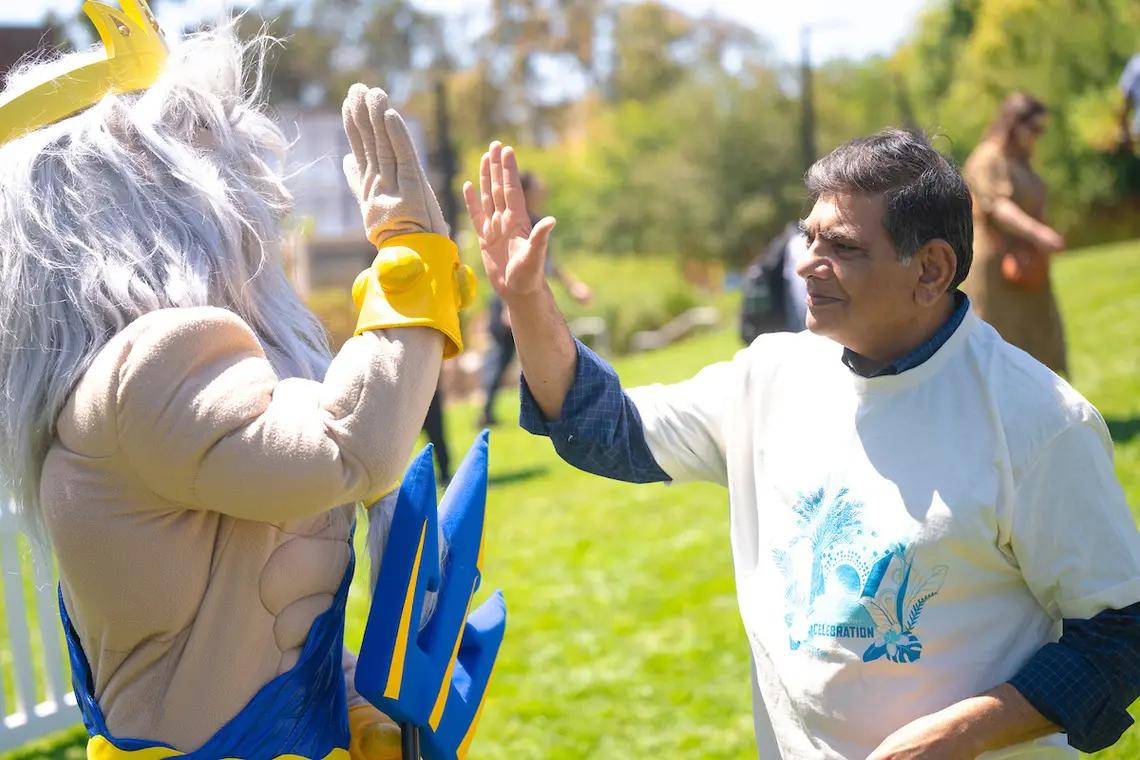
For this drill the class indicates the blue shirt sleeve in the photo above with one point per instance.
(1087, 680)
(599, 430)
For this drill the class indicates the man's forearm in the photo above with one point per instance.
(1000, 718)
(546, 349)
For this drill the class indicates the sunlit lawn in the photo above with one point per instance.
(623, 636)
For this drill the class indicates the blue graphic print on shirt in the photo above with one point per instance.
(842, 580)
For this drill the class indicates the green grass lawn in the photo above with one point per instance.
(623, 637)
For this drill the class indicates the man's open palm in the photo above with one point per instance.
(514, 253)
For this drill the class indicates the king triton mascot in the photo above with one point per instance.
(175, 429)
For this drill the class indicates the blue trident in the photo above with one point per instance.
(433, 681)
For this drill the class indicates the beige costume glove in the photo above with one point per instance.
(384, 171)
(417, 278)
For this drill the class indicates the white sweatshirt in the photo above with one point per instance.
(902, 542)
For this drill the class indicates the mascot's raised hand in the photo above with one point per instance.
(417, 278)
(384, 171)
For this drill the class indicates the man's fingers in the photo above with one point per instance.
(540, 236)
(485, 185)
(408, 175)
(512, 185)
(474, 207)
(497, 193)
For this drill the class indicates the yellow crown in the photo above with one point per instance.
(136, 52)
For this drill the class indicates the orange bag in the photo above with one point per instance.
(1025, 267)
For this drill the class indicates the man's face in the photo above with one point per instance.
(859, 294)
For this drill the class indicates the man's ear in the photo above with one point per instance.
(937, 263)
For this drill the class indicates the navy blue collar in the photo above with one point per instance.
(865, 367)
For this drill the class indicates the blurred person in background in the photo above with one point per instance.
(1009, 283)
(502, 353)
(774, 297)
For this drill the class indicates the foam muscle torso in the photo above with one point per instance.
(201, 510)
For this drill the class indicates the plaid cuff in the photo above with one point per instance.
(1086, 681)
(599, 429)
(590, 408)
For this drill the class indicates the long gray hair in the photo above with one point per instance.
(144, 201)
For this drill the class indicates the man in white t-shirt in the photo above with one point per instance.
(917, 507)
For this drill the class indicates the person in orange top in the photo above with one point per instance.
(1009, 283)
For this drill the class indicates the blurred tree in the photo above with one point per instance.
(574, 32)
(646, 38)
(662, 132)
(967, 55)
(301, 72)
(853, 99)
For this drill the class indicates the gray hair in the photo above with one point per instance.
(924, 195)
(146, 201)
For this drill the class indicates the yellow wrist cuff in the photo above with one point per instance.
(416, 280)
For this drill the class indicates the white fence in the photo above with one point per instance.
(35, 690)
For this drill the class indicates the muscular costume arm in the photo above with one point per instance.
(207, 424)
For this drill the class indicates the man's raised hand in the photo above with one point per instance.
(514, 253)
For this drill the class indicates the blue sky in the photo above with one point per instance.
(877, 26)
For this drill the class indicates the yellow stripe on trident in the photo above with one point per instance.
(396, 669)
(432, 678)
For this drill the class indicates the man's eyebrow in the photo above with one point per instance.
(832, 235)
(837, 234)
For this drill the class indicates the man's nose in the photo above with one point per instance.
(811, 264)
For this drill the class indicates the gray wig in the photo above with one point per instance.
(144, 201)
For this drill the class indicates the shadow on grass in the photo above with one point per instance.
(517, 476)
(1122, 430)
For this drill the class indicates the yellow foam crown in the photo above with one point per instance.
(136, 52)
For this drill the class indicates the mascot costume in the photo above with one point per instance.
(174, 426)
